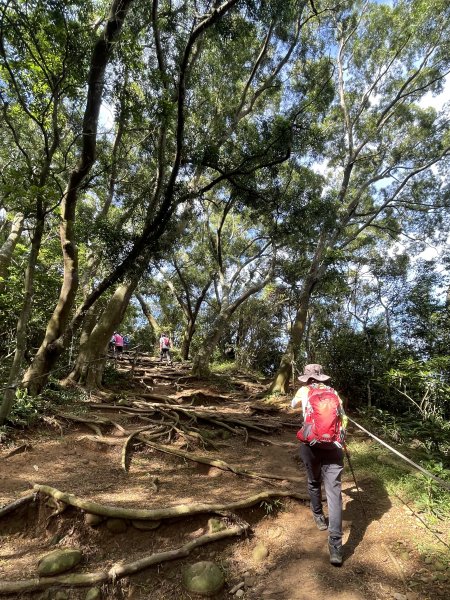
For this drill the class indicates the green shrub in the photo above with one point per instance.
(111, 375)
(26, 409)
(421, 493)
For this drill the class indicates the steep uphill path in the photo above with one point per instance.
(244, 447)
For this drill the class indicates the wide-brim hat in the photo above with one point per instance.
(313, 372)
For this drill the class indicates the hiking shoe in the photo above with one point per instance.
(335, 554)
(320, 522)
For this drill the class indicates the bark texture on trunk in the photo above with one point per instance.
(200, 367)
(147, 313)
(90, 364)
(187, 339)
(280, 384)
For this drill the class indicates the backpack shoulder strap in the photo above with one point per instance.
(311, 391)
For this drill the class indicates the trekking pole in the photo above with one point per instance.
(354, 479)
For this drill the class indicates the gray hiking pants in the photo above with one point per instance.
(325, 464)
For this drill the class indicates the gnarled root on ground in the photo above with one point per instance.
(220, 464)
(116, 571)
(156, 514)
(9, 508)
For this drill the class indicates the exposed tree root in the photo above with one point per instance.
(273, 443)
(201, 395)
(158, 375)
(124, 408)
(216, 418)
(85, 420)
(158, 431)
(220, 464)
(156, 514)
(119, 427)
(194, 433)
(101, 440)
(157, 398)
(93, 423)
(117, 571)
(95, 429)
(18, 450)
(264, 408)
(187, 378)
(33, 585)
(266, 428)
(89, 422)
(9, 508)
(60, 507)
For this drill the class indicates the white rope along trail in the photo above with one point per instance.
(441, 482)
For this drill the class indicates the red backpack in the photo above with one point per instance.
(322, 423)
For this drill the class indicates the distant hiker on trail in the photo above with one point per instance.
(111, 344)
(118, 344)
(321, 450)
(230, 352)
(164, 348)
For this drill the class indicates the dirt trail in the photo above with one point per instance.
(388, 555)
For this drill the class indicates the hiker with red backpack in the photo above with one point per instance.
(321, 450)
(164, 348)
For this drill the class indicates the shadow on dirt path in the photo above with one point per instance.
(381, 554)
(361, 510)
(300, 569)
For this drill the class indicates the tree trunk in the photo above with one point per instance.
(187, 339)
(372, 369)
(200, 366)
(147, 313)
(22, 322)
(37, 374)
(280, 384)
(91, 319)
(201, 361)
(53, 345)
(88, 369)
(7, 249)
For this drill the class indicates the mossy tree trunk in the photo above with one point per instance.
(90, 364)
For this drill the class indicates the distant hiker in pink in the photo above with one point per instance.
(164, 348)
(118, 344)
(321, 450)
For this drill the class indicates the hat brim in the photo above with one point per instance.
(305, 378)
